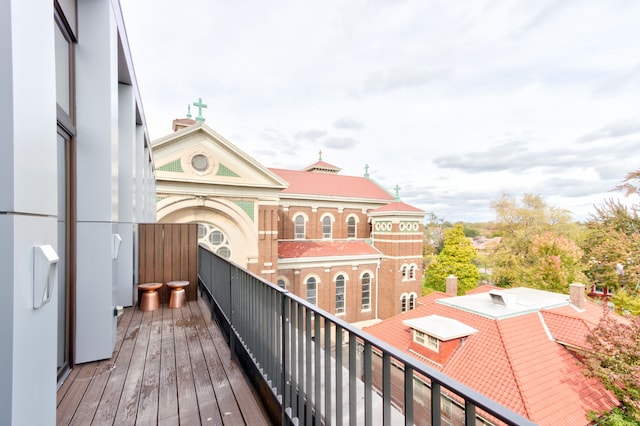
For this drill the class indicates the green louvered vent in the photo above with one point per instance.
(225, 171)
(173, 166)
(246, 206)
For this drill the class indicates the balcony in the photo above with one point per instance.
(304, 366)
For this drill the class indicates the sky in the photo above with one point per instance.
(456, 102)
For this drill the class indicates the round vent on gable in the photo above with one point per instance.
(200, 162)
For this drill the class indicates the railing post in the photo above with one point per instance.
(284, 353)
(232, 334)
(436, 416)
(408, 396)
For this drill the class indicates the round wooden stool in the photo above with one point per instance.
(178, 296)
(150, 300)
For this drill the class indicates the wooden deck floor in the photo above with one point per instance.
(169, 367)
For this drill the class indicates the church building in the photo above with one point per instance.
(341, 242)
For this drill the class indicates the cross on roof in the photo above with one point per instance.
(200, 105)
(366, 171)
(397, 189)
(188, 111)
(320, 155)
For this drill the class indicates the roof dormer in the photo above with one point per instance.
(436, 337)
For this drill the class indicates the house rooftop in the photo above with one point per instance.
(499, 304)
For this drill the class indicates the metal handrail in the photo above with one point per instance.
(319, 369)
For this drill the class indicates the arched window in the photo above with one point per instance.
(299, 228)
(326, 227)
(214, 239)
(340, 294)
(404, 272)
(412, 301)
(366, 291)
(412, 272)
(312, 291)
(282, 283)
(351, 227)
(403, 303)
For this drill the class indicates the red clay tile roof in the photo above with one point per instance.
(331, 185)
(397, 206)
(296, 249)
(322, 165)
(512, 361)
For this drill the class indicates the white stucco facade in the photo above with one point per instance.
(113, 184)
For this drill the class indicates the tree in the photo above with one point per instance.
(538, 247)
(612, 250)
(614, 357)
(556, 262)
(456, 258)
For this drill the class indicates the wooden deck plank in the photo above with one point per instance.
(196, 333)
(100, 371)
(66, 385)
(113, 390)
(148, 402)
(187, 400)
(128, 405)
(168, 368)
(168, 391)
(239, 386)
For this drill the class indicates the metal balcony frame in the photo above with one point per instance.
(271, 333)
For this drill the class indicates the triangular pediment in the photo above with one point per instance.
(199, 155)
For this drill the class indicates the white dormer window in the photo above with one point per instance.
(426, 340)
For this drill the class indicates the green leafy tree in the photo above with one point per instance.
(556, 262)
(614, 357)
(538, 247)
(456, 258)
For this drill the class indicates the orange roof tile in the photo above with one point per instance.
(331, 185)
(306, 248)
(513, 360)
(397, 206)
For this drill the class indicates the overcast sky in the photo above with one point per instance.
(454, 101)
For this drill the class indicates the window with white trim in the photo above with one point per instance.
(403, 270)
(299, 227)
(351, 227)
(366, 291)
(403, 303)
(412, 272)
(412, 301)
(340, 294)
(312, 291)
(326, 227)
(426, 340)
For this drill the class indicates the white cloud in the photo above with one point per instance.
(454, 101)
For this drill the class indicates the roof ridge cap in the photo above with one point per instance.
(525, 405)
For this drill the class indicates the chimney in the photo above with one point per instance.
(452, 285)
(576, 295)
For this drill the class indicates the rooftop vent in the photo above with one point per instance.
(502, 298)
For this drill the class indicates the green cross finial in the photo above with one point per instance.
(397, 188)
(200, 105)
(188, 111)
(320, 155)
(366, 171)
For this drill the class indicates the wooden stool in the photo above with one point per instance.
(178, 296)
(150, 300)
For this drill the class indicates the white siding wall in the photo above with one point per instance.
(108, 144)
(28, 209)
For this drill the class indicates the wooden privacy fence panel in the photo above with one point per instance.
(169, 252)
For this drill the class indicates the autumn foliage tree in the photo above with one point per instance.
(455, 258)
(614, 357)
(612, 248)
(538, 247)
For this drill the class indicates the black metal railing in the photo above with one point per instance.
(313, 368)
